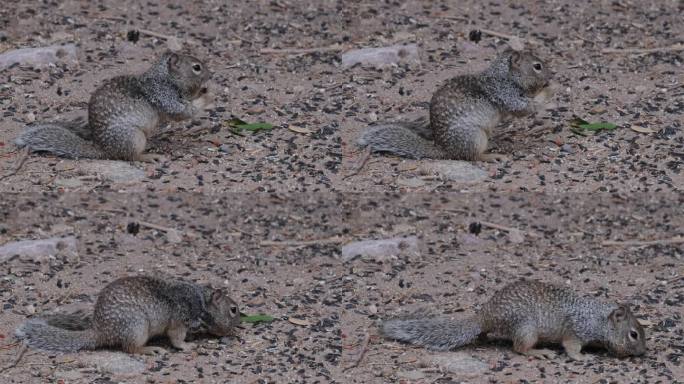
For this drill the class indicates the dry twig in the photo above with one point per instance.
(287, 51)
(672, 48)
(286, 243)
(172, 234)
(505, 228)
(361, 353)
(674, 240)
(515, 42)
(360, 164)
(20, 355)
(21, 160)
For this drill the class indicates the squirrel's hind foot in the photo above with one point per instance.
(493, 157)
(541, 353)
(151, 351)
(151, 158)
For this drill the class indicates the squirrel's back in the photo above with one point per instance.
(546, 306)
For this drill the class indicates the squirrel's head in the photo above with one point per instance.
(187, 72)
(222, 315)
(527, 70)
(625, 336)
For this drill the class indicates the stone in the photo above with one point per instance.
(515, 236)
(468, 239)
(457, 171)
(411, 375)
(460, 364)
(66, 376)
(67, 182)
(114, 363)
(382, 56)
(410, 182)
(382, 249)
(39, 56)
(567, 148)
(120, 172)
(39, 249)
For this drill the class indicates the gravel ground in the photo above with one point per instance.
(325, 307)
(306, 181)
(312, 93)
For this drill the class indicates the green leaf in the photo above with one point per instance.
(598, 126)
(238, 125)
(255, 127)
(580, 126)
(255, 319)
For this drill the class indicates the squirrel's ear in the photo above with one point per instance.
(216, 296)
(619, 314)
(173, 57)
(515, 57)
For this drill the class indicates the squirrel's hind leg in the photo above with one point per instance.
(469, 145)
(125, 143)
(135, 339)
(524, 340)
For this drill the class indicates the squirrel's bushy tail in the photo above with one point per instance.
(43, 334)
(79, 320)
(439, 333)
(400, 139)
(62, 139)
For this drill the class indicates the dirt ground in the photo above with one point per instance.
(228, 240)
(643, 94)
(233, 198)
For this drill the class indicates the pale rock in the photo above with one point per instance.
(382, 56)
(114, 171)
(39, 249)
(411, 375)
(382, 249)
(40, 56)
(463, 172)
(460, 364)
(114, 363)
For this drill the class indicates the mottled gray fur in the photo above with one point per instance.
(130, 311)
(125, 112)
(528, 312)
(465, 110)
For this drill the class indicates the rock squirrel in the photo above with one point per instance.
(528, 312)
(126, 111)
(464, 112)
(130, 311)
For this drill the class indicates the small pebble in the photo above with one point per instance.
(567, 148)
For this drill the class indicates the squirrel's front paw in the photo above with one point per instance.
(205, 101)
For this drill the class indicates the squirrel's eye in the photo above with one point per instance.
(234, 310)
(537, 66)
(634, 335)
(196, 67)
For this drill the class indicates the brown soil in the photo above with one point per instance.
(638, 176)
